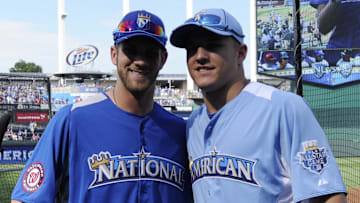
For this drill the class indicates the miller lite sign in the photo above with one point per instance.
(82, 55)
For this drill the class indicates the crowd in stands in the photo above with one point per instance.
(37, 94)
(21, 135)
(22, 132)
(276, 32)
(22, 94)
(175, 97)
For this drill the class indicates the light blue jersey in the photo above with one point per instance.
(265, 145)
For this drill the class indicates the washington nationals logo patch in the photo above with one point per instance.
(313, 158)
(33, 177)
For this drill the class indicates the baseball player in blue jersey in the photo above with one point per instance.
(118, 146)
(249, 142)
(343, 17)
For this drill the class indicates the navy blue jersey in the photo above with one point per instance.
(347, 29)
(93, 151)
(265, 145)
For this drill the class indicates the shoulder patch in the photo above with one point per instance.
(33, 177)
(313, 158)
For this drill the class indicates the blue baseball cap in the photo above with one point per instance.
(217, 21)
(284, 55)
(346, 52)
(140, 23)
(319, 53)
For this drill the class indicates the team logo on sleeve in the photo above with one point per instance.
(33, 177)
(141, 166)
(313, 158)
(216, 165)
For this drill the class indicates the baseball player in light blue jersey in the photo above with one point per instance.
(321, 65)
(306, 61)
(118, 146)
(284, 61)
(341, 16)
(249, 142)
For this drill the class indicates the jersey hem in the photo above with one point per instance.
(23, 200)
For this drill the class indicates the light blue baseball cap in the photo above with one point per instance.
(217, 21)
(319, 53)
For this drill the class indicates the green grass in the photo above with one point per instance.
(8, 180)
(350, 170)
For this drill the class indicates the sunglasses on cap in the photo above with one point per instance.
(133, 25)
(212, 21)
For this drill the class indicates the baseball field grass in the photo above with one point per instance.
(350, 170)
(8, 180)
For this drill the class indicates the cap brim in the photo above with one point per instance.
(134, 34)
(180, 34)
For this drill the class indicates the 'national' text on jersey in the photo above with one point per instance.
(141, 166)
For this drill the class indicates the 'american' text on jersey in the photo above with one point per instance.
(223, 166)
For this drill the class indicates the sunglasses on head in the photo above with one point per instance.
(149, 27)
(212, 21)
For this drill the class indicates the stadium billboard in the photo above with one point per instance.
(329, 57)
(81, 56)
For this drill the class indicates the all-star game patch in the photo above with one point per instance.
(33, 177)
(313, 158)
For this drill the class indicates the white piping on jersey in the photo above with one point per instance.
(260, 90)
(91, 100)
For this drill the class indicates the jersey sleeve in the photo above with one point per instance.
(45, 168)
(304, 145)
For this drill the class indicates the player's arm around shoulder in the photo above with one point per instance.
(331, 198)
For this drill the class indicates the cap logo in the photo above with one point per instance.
(197, 16)
(143, 20)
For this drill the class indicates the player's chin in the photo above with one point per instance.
(205, 85)
(140, 86)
